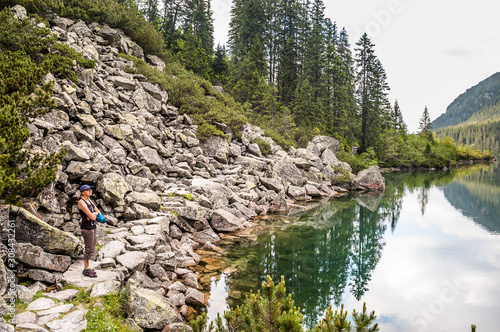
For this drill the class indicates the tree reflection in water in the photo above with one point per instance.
(325, 250)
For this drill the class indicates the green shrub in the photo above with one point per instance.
(264, 146)
(188, 197)
(343, 176)
(358, 162)
(206, 130)
(271, 309)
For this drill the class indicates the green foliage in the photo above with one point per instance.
(206, 130)
(107, 314)
(188, 197)
(358, 162)
(271, 309)
(194, 96)
(343, 176)
(115, 13)
(264, 146)
(23, 97)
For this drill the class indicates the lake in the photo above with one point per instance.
(425, 255)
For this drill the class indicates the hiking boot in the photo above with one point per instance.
(89, 273)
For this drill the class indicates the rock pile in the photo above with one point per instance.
(164, 193)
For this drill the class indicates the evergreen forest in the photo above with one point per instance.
(286, 68)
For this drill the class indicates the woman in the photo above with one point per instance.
(89, 212)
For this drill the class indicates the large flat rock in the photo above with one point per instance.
(75, 277)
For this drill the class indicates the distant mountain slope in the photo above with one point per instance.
(479, 103)
(474, 117)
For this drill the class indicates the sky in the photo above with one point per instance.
(432, 51)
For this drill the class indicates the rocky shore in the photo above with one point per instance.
(165, 193)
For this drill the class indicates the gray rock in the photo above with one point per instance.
(77, 169)
(117, 156)
(65, 295)
(216, 147)
(25, 317)
(81, 29)
(138, 183)
(72, 322)
(223, 221)
(30, 229)
(254, 149)
(272, 184)
(27, 327)
(44, 276)
(326, 142)
(105, 288)
(150, 158)
(157, 62)
(112, 249)
(149, 309)
(42, 303)
(370, 179)
(74, 153)
(19, 12)
(297, 193)
(25, 294)
(120, 81)
(133, 260)
(74, 276)
(34, 256)
(113, 188)
(150, 200)
(142, 280)
(60, 309)
(195, 298)
(286, 170)
(120, 131)
(144, 100)
(176, 298)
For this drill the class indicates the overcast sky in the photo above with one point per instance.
(432, 51)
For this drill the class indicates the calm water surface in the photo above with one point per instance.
(425, 255)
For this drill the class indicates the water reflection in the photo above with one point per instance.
(329, 255)
(327, 249)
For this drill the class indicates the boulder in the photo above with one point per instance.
(34, 256)
(223, 221)
(120, 81)
(30, 229)
(133, 260)
(370, 179)
(194, 297)
(287, 171)
(74, 275)
(149, 309)
(272, 184)
(150, 158)
(74, 153)
(105, 288)
(149, 200)
(322, 143)
(216, 147)
(113, 188)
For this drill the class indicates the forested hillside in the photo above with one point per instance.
(479, 103)
(287, 69)
(474, 117)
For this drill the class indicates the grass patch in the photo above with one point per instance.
(189, 197)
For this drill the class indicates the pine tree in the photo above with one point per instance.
(397, 119)
(425, 125)
(371, 93)
(220, 66)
